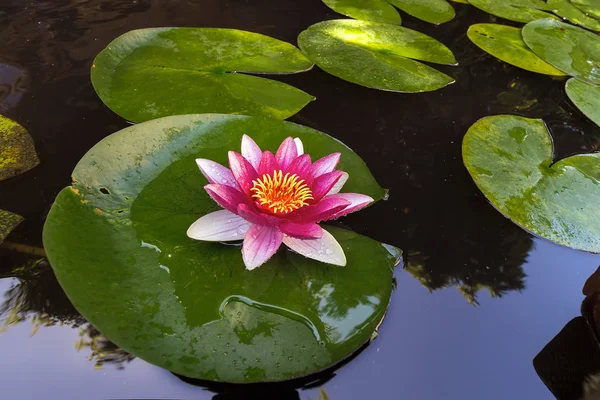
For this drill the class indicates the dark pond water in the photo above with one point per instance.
(478, 297)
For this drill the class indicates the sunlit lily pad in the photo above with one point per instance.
(151, 73)
(573, 50)
(506, 43)
(17, 151)
(586, 97)
(510, 159)
(566, 9)
(590, 7)
(191, 306)
(379, 56)
(514, 10)
(434, 11)
(8, 222)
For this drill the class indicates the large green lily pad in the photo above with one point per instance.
(8, 222)
(434, 11)
(589, 7)
(506, 43)
(514, 10)
(17, 151)
(566, 9)
(379, 56)
(118, 245)
(573, 50)
(586, 97)
(151, 73)
(510, 159)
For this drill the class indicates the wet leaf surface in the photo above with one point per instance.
(590, 7)
(510, 159)
(506, 43)
(573, 50)
(586, 97)
(566, 9)
(515, 10)
(17, 151)
(379, 56)
(192, 307)
(151, 73)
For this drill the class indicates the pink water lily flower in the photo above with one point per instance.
(273, 198)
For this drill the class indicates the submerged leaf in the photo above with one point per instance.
(379, 56)
(510, 159)
(514, 10)
(151, 73)
(573, 50)
(586, 97)
(192, 307)
(17, 151)
(506, 43)
(8, 222)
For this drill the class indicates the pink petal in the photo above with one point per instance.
(321, 211)
(216, 173)
(299, 146)
(252, 215)
(268, 164)
(339, 184)
(286, 153)
(226, 196)
(243, 171)
(325, 164)
(356, 200)
(302, 231)
(260, 243)
(324, 183)
(251, 151)
(219, 226)
(301, 167)
(325, 249)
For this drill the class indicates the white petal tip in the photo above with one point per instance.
(299, 146)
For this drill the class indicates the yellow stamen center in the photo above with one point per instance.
(281, 193)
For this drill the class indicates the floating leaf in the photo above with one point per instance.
(434, 11)
(586, 97)
(150, 73)
(8, 222)
(17, 151)
(573, 50)
(461, 1)
(191, 306)
(589, 7)
(566, 9)
(514, 10)
(506, 43)
(510, 159)
(366, 10)
(379, 56)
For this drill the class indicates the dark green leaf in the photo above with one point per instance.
(151, 73)
(514, 10)
(511, 160)
(8, 222)
(573, 50)
(506, 43)
(379, 56)
(190, 306)
(17, 151)
(367, 10)
(586, 97)
(565, 9)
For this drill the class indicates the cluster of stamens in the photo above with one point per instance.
(281, 193)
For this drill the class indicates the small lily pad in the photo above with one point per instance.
(8, 222)
(586, 97)
(506, 43)
(589, 7)
(514, 10)
(510, 158)
(151, 73)
(573, 50)
(190, 306)
(366, 10)
(379, 56)
(566, 9)
(17, 151)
